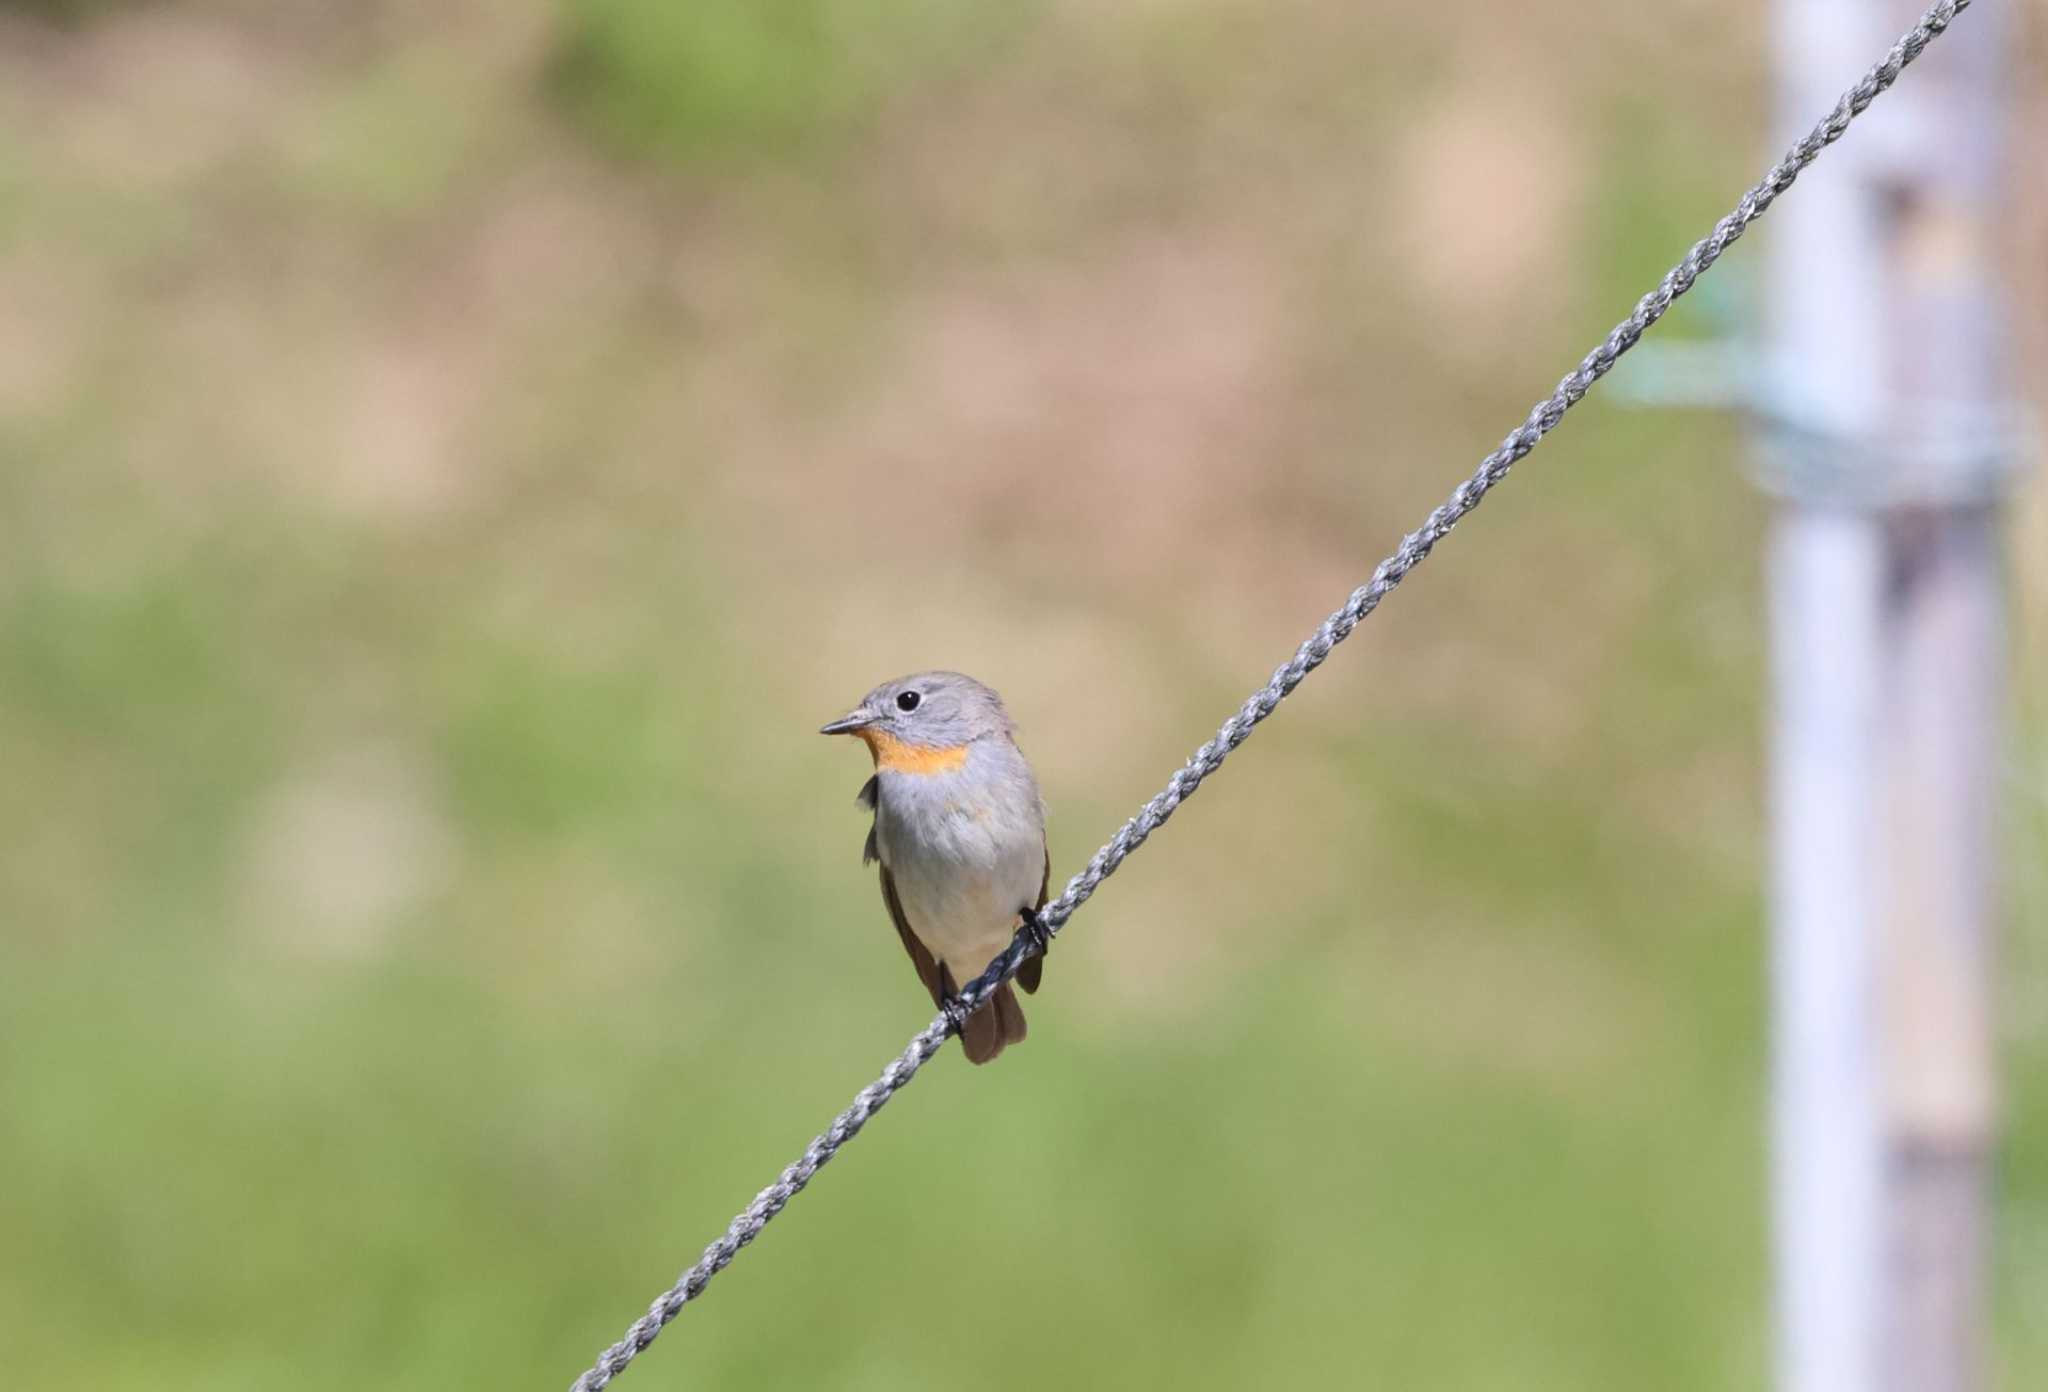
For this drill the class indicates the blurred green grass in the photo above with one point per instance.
(428, 921)
(732, 80)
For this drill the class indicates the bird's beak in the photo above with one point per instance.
(850, 723)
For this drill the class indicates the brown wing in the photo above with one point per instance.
(928, 970)
(1029, 974)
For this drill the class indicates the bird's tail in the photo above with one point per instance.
(999, 1022)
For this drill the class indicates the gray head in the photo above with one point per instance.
(939, 710)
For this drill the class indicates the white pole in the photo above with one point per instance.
(1887, 436)
(1826, 575)
(1826, 282)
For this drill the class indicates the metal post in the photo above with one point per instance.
(1826, 282)
(1887, 438)
(1826, 574)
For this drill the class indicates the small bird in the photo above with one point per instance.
(960, 831)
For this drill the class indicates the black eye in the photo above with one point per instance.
(907, 701)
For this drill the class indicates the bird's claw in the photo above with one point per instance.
(956, 1014)
(1035, 932)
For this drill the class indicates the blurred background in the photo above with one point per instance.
(452, 456)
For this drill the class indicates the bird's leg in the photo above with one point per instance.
(1035, 931)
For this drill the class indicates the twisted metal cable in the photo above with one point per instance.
(1413, 550)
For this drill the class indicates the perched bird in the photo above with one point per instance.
(960, 832)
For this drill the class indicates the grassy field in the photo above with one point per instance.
(452, 457)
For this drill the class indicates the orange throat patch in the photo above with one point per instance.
(895, 756)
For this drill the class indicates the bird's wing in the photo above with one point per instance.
(928, 970)
(869, 791)
(1028, 975)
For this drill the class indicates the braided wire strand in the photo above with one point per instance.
(1413, 550)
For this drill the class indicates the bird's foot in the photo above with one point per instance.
(956, 1012)
(1035, 931)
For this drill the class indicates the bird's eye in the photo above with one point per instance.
(907, 701)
